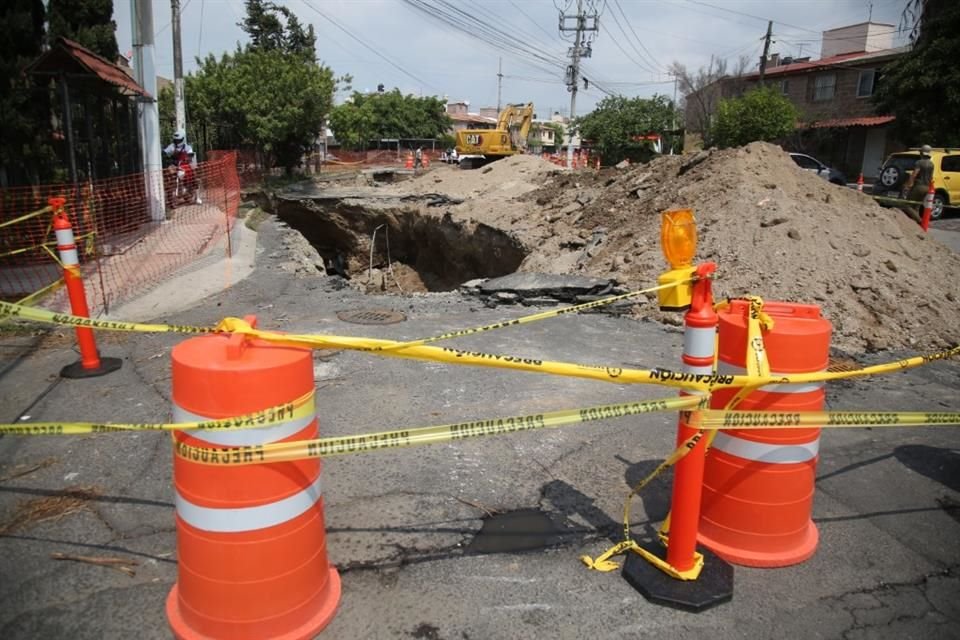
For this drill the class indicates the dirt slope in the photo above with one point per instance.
(773, 229)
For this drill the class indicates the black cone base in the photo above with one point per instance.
(714, 585)
(76, 370)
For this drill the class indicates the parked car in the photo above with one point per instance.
(946, 176)
(812, 164)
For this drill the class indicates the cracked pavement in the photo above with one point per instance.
(399, 521)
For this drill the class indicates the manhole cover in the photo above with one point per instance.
(371, 316)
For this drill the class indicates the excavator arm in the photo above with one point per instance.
(478, 146)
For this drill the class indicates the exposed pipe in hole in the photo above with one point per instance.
(435, 251)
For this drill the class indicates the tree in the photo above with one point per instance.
(365, 117)
(26, 155)
(611, 127)
(270, 94)
(922, 87)
(703, 90)
(268, 32)
(270, 99)
(89, 22)
(760, 114)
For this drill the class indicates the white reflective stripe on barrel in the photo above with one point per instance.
(724, 368)
(243, 437)
(764, 452)
(69, 257)
(64, 237)
(698, 342)
(249, 518)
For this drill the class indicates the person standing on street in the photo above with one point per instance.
(418, 158)
(918, 183)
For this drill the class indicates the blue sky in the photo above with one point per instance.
(390, 42)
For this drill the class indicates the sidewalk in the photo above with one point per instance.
(401, 522)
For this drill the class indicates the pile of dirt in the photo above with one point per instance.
(504, 179)
(773, 229)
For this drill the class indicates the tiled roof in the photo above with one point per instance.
(840, 123)
(832, 61)
(67, 53)
(471, 118)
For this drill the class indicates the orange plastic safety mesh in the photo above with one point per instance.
(127, 240)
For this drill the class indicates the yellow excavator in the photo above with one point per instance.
(477, 147)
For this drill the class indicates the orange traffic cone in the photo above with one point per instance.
(409, 163)
(758, 485)
(860, 183)
(251, 541)
(90, 363)
(927, 208)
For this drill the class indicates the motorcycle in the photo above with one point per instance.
(181, 182)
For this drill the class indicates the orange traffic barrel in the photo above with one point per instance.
(759, 484)
(251, 539)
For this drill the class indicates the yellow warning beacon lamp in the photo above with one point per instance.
(678, 239)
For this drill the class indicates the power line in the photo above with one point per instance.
(368, 47)
(616, 3)
(527, 16)
(750, 15)
(642, 65)
(476, 28)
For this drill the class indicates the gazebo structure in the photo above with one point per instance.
(97, 123)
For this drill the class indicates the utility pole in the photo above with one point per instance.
(673, 119)
(181, 118)
(145, 73)
(499, 82)
(580, 49)
(766, 50)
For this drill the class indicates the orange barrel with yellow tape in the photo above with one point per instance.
(251, 539)
(759, 484)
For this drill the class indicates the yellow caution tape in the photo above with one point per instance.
(294, 410)
(748, 420)
(27, 216)
(604, 563)
(664, 377)
(553, 313)
(370, 442)
(10, 310)
(45, 246)
(36, 295)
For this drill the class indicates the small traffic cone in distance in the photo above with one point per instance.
(927, 208)
(409, 163)
(860, 183)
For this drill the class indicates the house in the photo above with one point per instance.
(542, 139)
(463, 119)
(838, 121)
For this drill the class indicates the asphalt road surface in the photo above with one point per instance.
(402, 524)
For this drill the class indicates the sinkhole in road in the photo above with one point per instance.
(395, 244)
